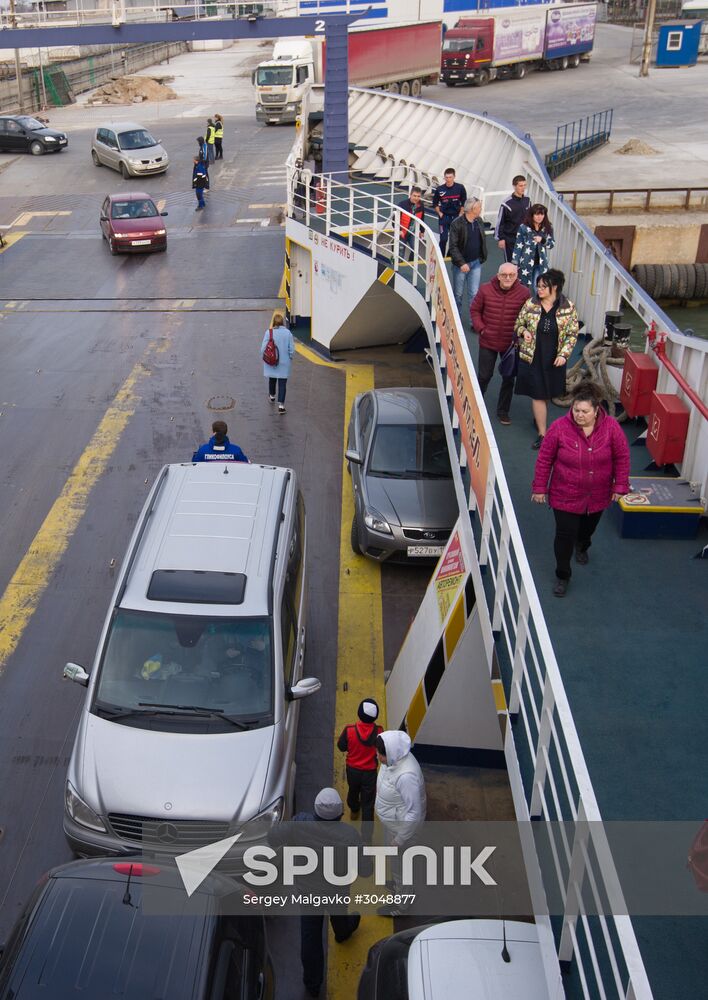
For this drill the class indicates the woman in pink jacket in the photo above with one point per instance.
(582, 467)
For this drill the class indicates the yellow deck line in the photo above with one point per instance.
(10, 238)
(360, 667)
(29, 581)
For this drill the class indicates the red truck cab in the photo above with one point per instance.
(466, 48)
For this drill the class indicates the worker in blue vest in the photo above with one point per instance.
(219, 137)
(448, 201)
(218, 448)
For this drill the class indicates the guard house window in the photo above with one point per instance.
(674, 41)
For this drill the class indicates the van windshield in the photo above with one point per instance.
(222, 665)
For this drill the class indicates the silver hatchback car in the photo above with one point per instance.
(129, 148)
(405, 504)
(187, 733)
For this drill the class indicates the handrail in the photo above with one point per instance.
(657, 342)
(646, 191)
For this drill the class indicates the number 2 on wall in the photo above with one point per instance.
(319, 25)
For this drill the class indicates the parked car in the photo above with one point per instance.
(132, 223)
(187, 733)
(460, 958)
(24, 134)
(129, 148)
(404, 498)
(89, 931)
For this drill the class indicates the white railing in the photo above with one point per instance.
(122, 11)
(547, 769)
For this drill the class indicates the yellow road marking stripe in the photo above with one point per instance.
(281, 288)
(386, 275)
(314, 358)
(29, 581)
(8, 239)
(360, 667)
(24, 217)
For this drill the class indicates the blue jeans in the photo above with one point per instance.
(281, 384)
(471, 279)
(200, 197)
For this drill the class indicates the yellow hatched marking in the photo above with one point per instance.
(25, 217)
(8, 239)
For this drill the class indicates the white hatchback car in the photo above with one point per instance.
(129, 148)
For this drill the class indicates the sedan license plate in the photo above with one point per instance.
(425, 550)
(140, 243)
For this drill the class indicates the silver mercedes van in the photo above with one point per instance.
(188, 730)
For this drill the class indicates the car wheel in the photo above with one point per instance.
(36, 148)
(483, 78)
(356, 547)
(112, 246)
(94, 157)
(124, 171)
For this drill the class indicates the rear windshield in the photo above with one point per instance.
(138, 138)
(133, 210)
(408, 451)
(222, 665)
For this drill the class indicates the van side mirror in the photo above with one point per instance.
(104, 218)
(304, 688)
(164, 213)
(75, 672)
(352, 456)
(253, 78)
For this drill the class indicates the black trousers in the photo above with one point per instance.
(445, 222)
(485, 373)
(312, 943)
(219, 151)
(508, 250)
(281, 384)
(572, 530)
(362, 792)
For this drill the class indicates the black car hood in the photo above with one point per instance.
(414, 503)
(47, 131)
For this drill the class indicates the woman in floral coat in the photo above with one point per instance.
(547, 328)
(533, 241)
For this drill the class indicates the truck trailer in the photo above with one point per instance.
(400, 58)
(508, 42)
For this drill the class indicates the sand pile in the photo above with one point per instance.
(635, 147)
(132, 90)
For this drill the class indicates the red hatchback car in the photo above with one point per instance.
(132, 224)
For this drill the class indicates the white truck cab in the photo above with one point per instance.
(280, 82)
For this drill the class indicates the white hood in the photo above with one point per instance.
(398, 745)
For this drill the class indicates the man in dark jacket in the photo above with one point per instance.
(448, 201)
(493, 313)
(218, 448)
(468, 251)
(410, 208)
(358, 741)
(200, 181)
(512, 213)
(323, 829)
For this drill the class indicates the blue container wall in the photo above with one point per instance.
(687, 55)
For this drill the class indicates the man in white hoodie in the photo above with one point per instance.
(400, 797)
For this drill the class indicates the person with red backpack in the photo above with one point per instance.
(358, 741)
(277, 350)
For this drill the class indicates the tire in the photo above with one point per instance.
(36, 148)
(574, 62)
(405, 89)
(483, 78)
(519, 71)
(701, 291)
(682, 281)
(394, 88)
(639, 272)
(416, 88)
(94, 157)
(356, 547)
(564, 63)
(691, 272)
(124, 171)
(112, 247)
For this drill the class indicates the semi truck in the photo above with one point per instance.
(400, 58)
(508, 42)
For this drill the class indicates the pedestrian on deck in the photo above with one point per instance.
(411, 207)
(468, 251)
(512, 213)
(324, 829)
(218, 448)
(202, 153)
(533, 242)
(200, 181)
(209, 137)
(400, 799)
(358, 741)
(547, 328)
(585, 459)
(278, 373)
(218, 137)
(493, 313)
(448, 202)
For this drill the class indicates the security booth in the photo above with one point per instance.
(678, 43)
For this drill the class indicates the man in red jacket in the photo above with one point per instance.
(358, 741)
(493, 312)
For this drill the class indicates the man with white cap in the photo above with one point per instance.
(400, 795)
(323, 829)
(358, 741)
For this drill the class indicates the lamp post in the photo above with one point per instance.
(18, 68)
(648, 33)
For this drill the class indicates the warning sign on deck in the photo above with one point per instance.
(449, 576)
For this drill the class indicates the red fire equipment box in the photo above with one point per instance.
(668, 426)
(638, 383)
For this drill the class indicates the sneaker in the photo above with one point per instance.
(581, 557)
(281, 408)
(504, 419)
(538, 442)
(560, 587)
(271, 398)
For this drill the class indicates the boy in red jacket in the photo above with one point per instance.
(358, 741)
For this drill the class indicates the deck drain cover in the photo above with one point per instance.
(221, 403)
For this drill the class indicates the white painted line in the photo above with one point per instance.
(252, 220)
(265, 222)
(268, 204)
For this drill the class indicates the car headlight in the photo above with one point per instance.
(374, 521)
(124, 236)
(289, 107)
(49, 138)
(79, 811)
(159, 232)
(258, 827)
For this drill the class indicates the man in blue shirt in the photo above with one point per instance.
(218, 448)
(448, 201)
